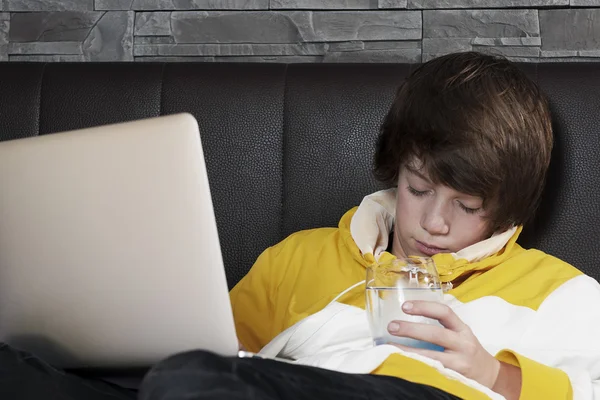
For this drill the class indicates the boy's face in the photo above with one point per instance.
(434, 218)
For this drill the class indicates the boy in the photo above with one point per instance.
(466, 145)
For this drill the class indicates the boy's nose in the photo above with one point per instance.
(435, 223)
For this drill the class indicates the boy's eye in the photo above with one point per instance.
(467, 209)
(416, 192)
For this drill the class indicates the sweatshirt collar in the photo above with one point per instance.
(371, 223)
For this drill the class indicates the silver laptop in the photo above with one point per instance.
(109, 254)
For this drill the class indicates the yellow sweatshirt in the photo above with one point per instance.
(527, 308)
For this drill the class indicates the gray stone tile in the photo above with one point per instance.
(374, 25)
(174, 59)
(529, 60)
(393, 3)
(480, 23)
(233, 27)
(375, 56)
(200, 5)
(153, 40)
(522, 41)
(111, 39)
(399, 44)
(272, 59)
(436, 47)
(358, 45)
(585, 2)
(48, 5)
(558, 53)
(440, 46)
(240, 49)
(294, 26)
(153, 23)
(47, 58)
(39, 48)
(568, 59)
(570, 29)
(589, 53)
(433, 4)
(4, 29)
(324, 4)
(510, 51)
(345, 46)
(239, 59)
(70, 26)
(260, 59)
(113, 5)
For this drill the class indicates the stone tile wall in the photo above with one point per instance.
(297, 30)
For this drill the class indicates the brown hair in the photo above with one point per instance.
(479, 126)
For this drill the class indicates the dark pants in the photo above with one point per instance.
(202, 375)
(26, 377)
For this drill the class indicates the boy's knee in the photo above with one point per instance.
(195, 374)
(196, 360)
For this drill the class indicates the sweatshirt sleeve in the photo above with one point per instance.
(538, 380)
(252, 303)
(559, 355)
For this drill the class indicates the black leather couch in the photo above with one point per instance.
(289, 147)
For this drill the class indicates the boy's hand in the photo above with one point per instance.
(463, 353)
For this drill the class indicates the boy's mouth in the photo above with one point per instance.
(429, 249)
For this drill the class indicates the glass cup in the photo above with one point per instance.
(389, 285)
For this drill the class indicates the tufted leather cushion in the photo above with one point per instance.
(567, 224)
(332, 119)
(77, 95)
(240, 113)
(20, 91)
(290, 147)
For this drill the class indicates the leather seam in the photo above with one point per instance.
(283, 151)
(39, 107)
(160, 90)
